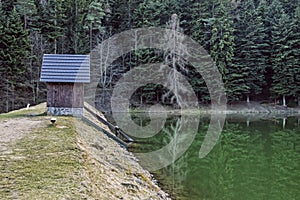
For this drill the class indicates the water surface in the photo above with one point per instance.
(254, 158)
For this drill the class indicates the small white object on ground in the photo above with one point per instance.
(53, 120)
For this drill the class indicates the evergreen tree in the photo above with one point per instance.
(51, 22)
(26, 9)
(202, 21)
(199, 29)
(57, 21)
(294, 43)
(2, 41)
(151, 13)
(251, 45)
(213, 28)
(93, 22)
(117, 13)
(255, 45)
(76, 36)
(263, 12)
(14, 57)
(8, 6)
(222, 42)
(289, 6)
(285, 56)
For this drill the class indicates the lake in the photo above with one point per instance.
(254, 158)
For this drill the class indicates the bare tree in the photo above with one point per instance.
(173, 57)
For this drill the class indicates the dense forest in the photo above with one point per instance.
(254, 43)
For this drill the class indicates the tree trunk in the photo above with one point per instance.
(76, 29)
(13, 97)
(248, 122)
(248, 99)
(141, 99)
(91, 37)
(33, 91)
(283, 101)
(55, 24)
(299, 100)
(25, 21)
(6, 101)
(55, 46)
(283, 122)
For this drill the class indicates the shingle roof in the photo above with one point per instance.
(65, 68)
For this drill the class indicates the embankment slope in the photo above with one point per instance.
(68, 160)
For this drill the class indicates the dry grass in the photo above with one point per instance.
(45, 164)
(70, 160)
(38, 110)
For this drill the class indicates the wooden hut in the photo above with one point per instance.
(65, 76)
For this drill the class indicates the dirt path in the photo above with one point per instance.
(13, 129)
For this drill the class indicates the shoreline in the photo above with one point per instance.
(129, 175)
(100, 167)
(251, 108)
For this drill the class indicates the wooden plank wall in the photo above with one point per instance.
(67, 95)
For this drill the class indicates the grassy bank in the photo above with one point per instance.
(45, 164)
(68, 160)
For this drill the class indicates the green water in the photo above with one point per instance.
(258, 159)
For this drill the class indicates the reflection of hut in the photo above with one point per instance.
(65, 76)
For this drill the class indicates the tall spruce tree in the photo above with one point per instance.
(2, 61)
(285, 56)
(213, 27)
(202, 22)
(294, 42)
(26, 9)
(51, 21)
(151, 13)
(222, 45)
(93, 22)
(199, 29)
(251, 46)
(14, 57)
(75, 35)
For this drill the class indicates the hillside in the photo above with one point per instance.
(68, 160)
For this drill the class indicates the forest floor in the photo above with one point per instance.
(68, 160)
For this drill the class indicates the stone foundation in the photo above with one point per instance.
(78, 112)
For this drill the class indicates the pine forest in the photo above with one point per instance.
(255, 44)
